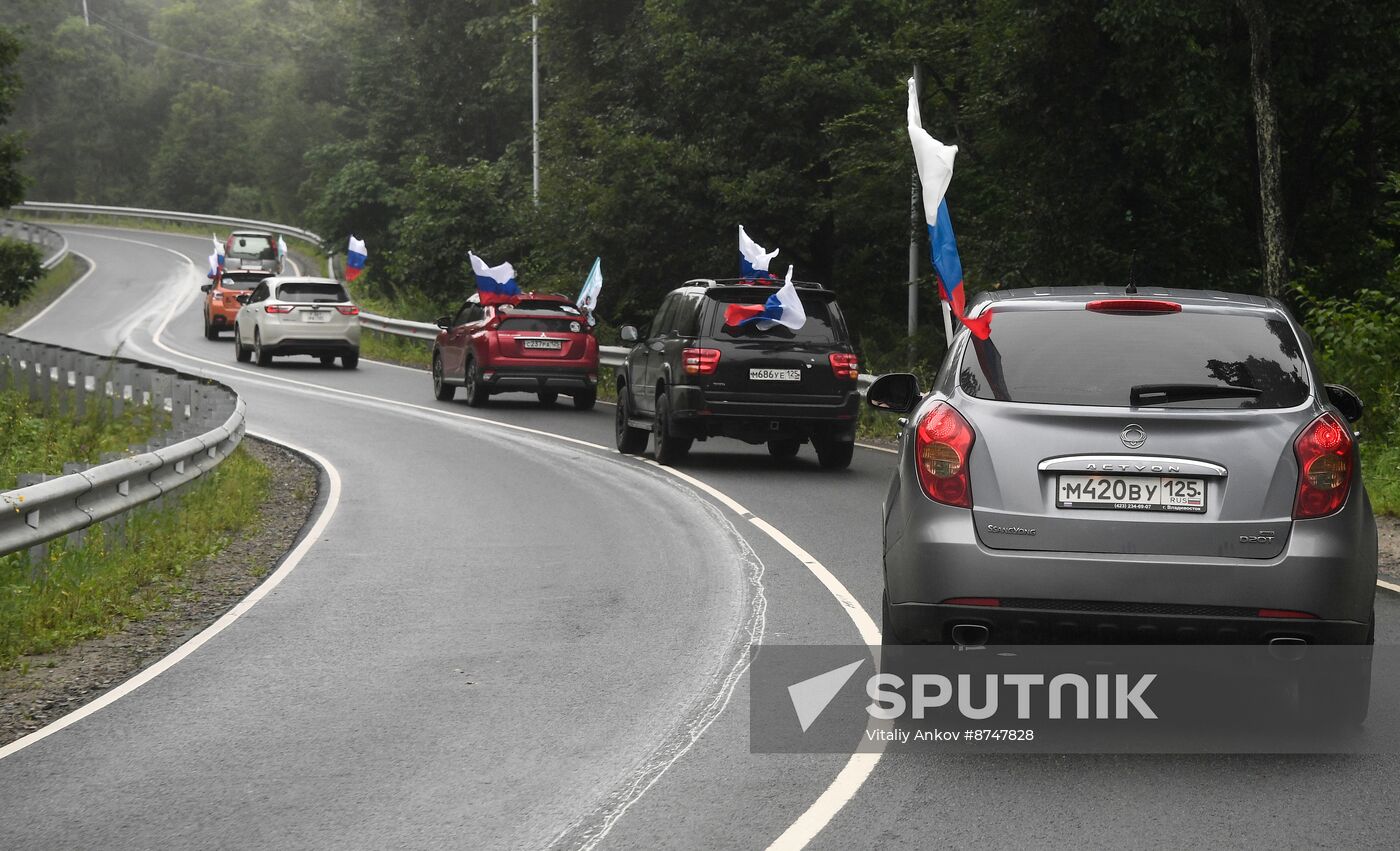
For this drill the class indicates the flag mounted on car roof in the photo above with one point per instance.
(496, 284)
(934, 161)
(783, 307)
(218, 255)
(753, 260)
(355, 256)
(592, 285)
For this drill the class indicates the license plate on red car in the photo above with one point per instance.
(542, 344)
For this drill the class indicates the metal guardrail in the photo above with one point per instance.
(612, 356)
(207, 424)
(54, 243)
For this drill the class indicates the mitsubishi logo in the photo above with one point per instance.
(1133, 436)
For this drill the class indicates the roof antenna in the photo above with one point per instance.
(1132, 280)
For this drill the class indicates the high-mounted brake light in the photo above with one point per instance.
(700, 361)
(278, 308)
(1324, 467)
(1133, 305)
(845, 365)
(942, 443)
(348, 311)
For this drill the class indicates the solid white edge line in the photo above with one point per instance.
(858, 767)
(1389, 586)
(287, 566)
(92, 267)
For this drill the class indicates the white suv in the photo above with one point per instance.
(298, 316)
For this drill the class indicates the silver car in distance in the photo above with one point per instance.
(1128, 468)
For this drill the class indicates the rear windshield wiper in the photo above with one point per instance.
(1161, 394)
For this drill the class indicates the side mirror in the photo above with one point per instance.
(628, 334)
(897, 393)
(206, 288)
(1346, 401)
(443, 322)
(243, 298)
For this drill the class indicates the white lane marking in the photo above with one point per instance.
(877, 448)
(1389, 586)
(860, 765)
(288, 565)
(92, 267)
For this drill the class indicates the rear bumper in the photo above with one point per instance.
(293, 346)
(1080, 623)
(694, 413)
(535, 378)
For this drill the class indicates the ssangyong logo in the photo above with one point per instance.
(1133, 436)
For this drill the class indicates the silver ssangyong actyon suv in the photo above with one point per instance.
(1151, 467)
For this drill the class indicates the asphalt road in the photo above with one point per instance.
(508, 639)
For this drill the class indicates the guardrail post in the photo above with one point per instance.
(74, 539)
(39, 553)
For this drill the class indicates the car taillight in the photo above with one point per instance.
(348, 311)
(278, 308)
(845, 365)
(1133, 305)
(216, 296)
(942, 443)
(700, 361)
(1324, 467)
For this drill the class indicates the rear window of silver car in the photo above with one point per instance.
(1081, 357)
(252, 247)
(315, 293)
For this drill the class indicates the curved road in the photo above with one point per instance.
(510, 636)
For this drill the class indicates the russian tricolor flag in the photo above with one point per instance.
(496, 284)
(753, 260)
(934, 161)
(782, 308)
(218, 255)
(355, 257)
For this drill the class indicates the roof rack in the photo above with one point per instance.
(732, 282)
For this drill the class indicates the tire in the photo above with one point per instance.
(241, 353)
(263, 357)
(547, 397)
(670, 449)
(630, 441)
(327, 360)
(477, 394)
(350, 360)
(441, 389)
(584, 400)
(784, 448)
(834, 456)
(210, 332)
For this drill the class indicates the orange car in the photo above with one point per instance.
(221, 299)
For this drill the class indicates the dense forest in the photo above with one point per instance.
(1094, 136)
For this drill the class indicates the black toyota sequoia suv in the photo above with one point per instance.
(691, 377)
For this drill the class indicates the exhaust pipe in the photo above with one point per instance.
(1287, 648)
(970, 635)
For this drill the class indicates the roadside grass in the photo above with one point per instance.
(31, 442)
(1380, 463)
(390, 348)
(54, 283)
(85, 590)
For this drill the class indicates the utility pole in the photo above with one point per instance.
(914, 222)
(85, 14)
(534, 28)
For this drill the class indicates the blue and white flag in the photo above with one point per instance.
(782, 308)
(592, 285)
(496, 284)
(213, 266)
(281, 247)
(753, 260)
(218, 252)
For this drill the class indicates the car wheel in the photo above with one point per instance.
(547, 397)
(327, 360)
(833, 455)
(441, 389)
(630, 441)
(785, 448)
(241, 353)
(670, 449)
(477, 394)
(584, 400)
(210, 332)
(261, 355)
(350, 360)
